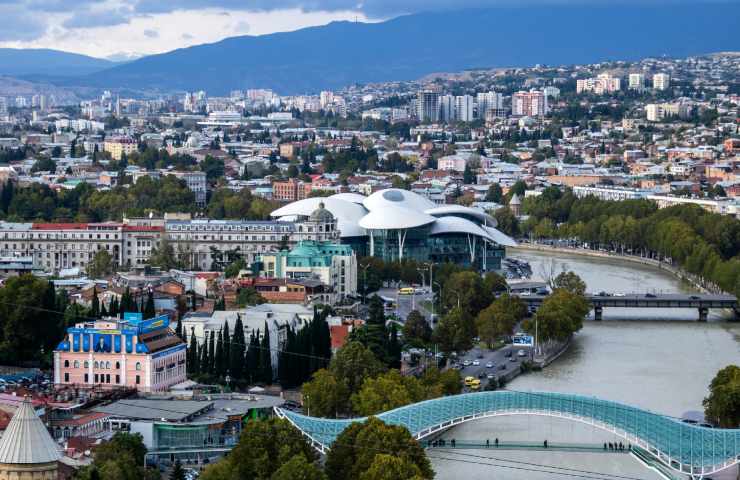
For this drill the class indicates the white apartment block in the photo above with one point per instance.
(604, 83)
(661, 81)
(636, 81)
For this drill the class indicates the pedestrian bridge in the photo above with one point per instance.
(686, 448)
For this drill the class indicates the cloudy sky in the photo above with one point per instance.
(121, 28)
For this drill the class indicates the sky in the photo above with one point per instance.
(124, 29)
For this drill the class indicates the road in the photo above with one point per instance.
(497, 357)
(406, 303)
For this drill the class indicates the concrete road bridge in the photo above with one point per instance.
(686, 448)
(699, 301)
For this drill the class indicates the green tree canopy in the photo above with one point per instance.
(722, 406)
(356, 448)
(560, 316)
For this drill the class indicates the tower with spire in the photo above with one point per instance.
(27, 451)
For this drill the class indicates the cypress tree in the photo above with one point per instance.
(193, 359)
(266, 357)
(113, 307)
(219, 356)
(95, 312)
(103, 311)
(211, 354)
(394, 348)
(253, 357)
(237, 351)
(227, 348)
(148, 309)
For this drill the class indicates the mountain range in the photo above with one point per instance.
(43, 62)
(408, 47)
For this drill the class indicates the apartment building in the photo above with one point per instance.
(636, 81)
(661, 81)
(290, 190)
(118, 146)
(604, 83)
(197, 183)
(531, 104)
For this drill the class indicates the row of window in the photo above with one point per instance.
(102, 378)
(97, 365)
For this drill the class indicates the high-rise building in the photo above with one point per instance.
(489, 101)
(464, 108)
(326, 98)
(427, 105)
(604, 83)
(661, 81)
(531, 104)
(447, 108)
(636, 81)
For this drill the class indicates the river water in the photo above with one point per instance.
(658, 360)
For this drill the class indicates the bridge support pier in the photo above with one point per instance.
(598, 311)
(703, 314)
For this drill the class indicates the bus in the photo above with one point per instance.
(406, 291)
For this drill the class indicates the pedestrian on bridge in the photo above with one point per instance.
(496, 442)
(545, 443)
(604, 445)
(488, 443)
(453, 443)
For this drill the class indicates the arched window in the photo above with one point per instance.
(96, 365)
(118, 365)
(87, 364)
(66, 364)
(107, 365)
(77, 364)
(138, 366)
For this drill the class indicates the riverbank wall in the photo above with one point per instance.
(678, 272)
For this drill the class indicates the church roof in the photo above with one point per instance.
(26, 439)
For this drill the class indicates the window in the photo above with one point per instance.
(138, 366)
(107, 378)
(66, 364)
(138, 380)
(86, 378)
(96, 378)
(107, 365)
(96, 365)
(77, 364)
(118, 379)
(118, 365)
(87, 364)
(66, 377)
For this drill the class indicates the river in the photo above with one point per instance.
(657, 360)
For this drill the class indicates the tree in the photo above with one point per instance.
(95, 308)
(264, 447)
(466, 290)
(44, 164)
(234, 267)
(213, 168)
(121, 458)
(163, 256)
(385, 392)
(101, 265)
(455, 331)
(494, 193)
(389, 467)
(499, 318)
(299, 468)
(559, 317)
(265, 358)
(149, 311)
(722, 406)
(353, 363)
(507, 221)
(325, 395)
(570, 282)
(355, 449)
(237, 351)
(178, 473)
(416, 330)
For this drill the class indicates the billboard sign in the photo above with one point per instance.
(523, 340)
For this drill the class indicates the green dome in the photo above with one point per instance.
(322, 215)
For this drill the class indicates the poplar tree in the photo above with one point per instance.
(237, 351)
(265, 363)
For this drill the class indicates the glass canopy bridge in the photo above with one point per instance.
(683, 447)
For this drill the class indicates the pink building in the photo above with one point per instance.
(113, 353)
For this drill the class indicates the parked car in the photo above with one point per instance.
(476, 362)
(489, 365)
(521, 353)
(467, 363)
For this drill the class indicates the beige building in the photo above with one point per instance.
(27, 451)
(117, 146)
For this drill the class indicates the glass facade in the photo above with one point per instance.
(681, 446)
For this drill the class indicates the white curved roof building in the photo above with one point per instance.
(395, 224)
